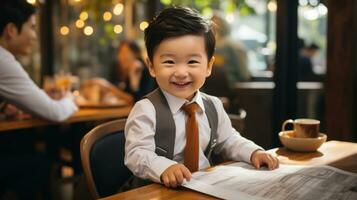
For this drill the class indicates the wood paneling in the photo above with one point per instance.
(341, 77)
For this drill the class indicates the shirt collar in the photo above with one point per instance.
(6, 53)
(176, 103)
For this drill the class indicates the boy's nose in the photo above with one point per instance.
(181, 71)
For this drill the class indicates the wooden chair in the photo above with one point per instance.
(238, 120)
(102, 155)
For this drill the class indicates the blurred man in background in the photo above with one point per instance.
(24, 175)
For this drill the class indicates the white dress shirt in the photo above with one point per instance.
(140, 156)
(16, 87)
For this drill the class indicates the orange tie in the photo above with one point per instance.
(192, 143)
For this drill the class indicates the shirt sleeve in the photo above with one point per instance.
(230, 142)
(17, 88)
(140, 156)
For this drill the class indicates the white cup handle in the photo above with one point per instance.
(285, 123)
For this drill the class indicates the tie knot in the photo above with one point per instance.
(190, 108)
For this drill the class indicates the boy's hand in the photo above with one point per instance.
(173, 176)
(260, 157)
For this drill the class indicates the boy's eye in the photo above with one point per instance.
(193, 62)
(168, 62)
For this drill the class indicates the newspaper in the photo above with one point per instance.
(288, 182)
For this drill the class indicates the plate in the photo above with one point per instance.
(301, 144)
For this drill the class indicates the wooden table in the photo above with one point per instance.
(342, 155)
(82, 115)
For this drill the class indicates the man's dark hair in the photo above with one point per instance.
(178, 21)
(15, 11)
(313, 46)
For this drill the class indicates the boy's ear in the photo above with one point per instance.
(209, 67)
(150, 66)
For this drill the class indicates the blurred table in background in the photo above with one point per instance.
(82, 115)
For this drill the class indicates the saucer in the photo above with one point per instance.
(301, 144)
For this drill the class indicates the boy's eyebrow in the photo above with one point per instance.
(195, 55)
(167, 55)
(173, 55)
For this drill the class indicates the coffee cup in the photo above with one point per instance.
(304, 128)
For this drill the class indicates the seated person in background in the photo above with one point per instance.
(180, 46)
(130, 72)
(229, 68)
(305, 65)
(22, 172)
(17, 35)
(230, 55)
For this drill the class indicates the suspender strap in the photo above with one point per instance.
(165, 131)
(212, 117)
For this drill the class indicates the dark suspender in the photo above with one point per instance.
(212, 116)
(165, 131)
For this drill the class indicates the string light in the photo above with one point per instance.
(31, 1)
(118, 29)
(272, 7)
(118, 9)
(79, 23)
(88, 30)
(143, 25)
(83, 16)
(322, 9)
(64, 30)
(303, 2)
(314, 2)
(107, 16)
(230, 17)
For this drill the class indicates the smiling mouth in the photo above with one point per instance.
(181, 85)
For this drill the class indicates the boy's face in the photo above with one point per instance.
(22, 42)
(180, 65)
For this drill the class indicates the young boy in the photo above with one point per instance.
(180, 46)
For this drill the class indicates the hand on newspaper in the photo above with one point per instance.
(260, 157)
(174, 175)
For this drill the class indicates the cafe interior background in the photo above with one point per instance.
(80, 37)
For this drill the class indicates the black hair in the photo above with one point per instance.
(178, 21)
(300, 43)
(313, 46)
(15, 11)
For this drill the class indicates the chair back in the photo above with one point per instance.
(238, 120)
(102, 155)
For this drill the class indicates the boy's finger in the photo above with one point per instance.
(172, 180)
(165, 180)
(270, 162)
(256, 163)
(186, 173)
(276, 162)
(179, 177)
